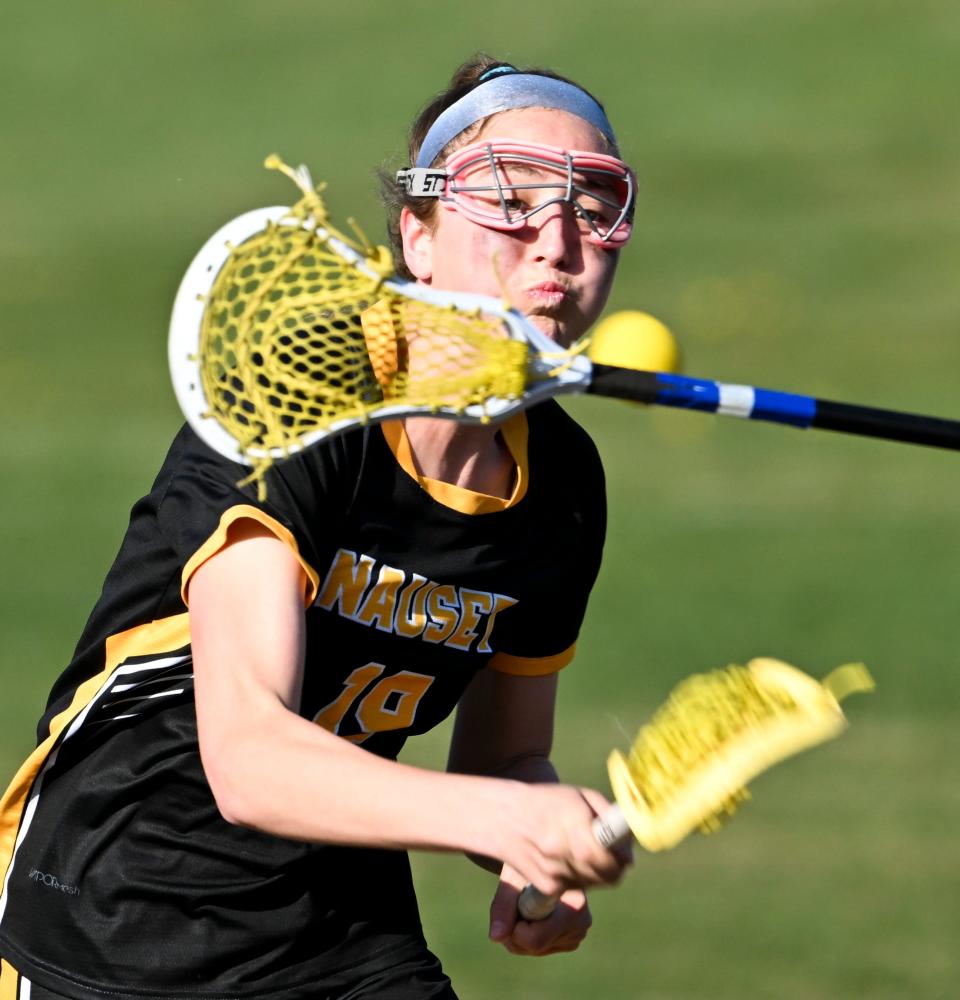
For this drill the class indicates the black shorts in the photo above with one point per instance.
(420, 978)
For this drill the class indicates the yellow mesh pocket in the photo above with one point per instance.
(689, 765)
(296, 341)
(282, 347)
(422, 355)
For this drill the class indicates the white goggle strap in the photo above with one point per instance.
(422, 182)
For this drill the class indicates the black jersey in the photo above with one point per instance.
(118, 872)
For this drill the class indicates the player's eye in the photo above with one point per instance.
(594, 215)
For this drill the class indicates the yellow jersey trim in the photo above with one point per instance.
(154, 638)
(515, 434)
(9, 980)
(218, 540)
(532, 666)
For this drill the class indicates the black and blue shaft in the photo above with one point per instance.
(768, 405)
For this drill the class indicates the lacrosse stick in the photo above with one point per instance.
(689, 766)
(285, 331)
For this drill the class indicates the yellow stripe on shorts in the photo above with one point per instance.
(9, 981)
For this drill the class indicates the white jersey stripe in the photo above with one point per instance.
(31, 806)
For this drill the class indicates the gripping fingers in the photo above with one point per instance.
(610, 830)
(562, 931)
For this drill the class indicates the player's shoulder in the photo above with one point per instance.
(206, 473)
(552, 428)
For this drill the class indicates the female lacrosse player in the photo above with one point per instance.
(215, 808)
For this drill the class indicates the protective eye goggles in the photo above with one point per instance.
(501, 185)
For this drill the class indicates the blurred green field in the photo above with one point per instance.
(799, 228)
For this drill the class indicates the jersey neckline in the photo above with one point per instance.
(466, 501)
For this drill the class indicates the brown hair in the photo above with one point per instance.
(394, 197)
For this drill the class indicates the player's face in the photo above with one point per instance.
(548, 269)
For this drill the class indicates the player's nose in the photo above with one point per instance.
(556, 233)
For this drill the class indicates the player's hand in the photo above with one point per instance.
(546, 835)
(562, 931)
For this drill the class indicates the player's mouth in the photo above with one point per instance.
(548, 294)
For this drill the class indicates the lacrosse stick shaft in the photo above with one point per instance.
(771, 406)
(611, 830)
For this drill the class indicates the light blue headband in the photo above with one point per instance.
(504, 93)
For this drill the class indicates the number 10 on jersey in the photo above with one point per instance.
(391, 703)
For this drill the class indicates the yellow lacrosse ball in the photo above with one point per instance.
(633, 339)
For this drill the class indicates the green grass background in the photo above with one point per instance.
(799, 228)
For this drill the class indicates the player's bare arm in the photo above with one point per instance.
(504, 727)
(277, 772)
